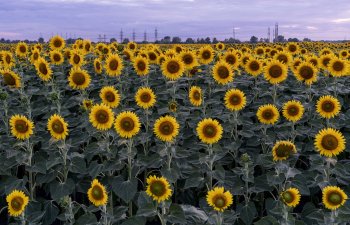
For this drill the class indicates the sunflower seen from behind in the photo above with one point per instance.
(268, 114)
(97, 193)
(293, 110)
(222, 72)
(114, 65)
(78, 79)
(195, 96)
(21, 127)
(329, 142)
(333, 197)
(219, 199)
(57, 127)
(145, 97)
(291, 197)
(209, 131)
(173, 68)
(158, 188)
(235, 100)
(101, 117)
(282, 150)
(127, 124)
(328, 106)
(16, 203)
(110, 96)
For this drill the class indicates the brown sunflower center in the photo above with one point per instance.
(314, 62)
(97, 193)
(282, 58)
(219, 202)
(113, 64)
(338, 66)
(145, 97)
(268, 114)
(188, 59)
(43, 68)
(325, 61)
(141, 65)
(288, 197)
(344, 53)
(98, 65)
(223, 72)
(306, 72)
(152, 56)
(231, 59)
(17, 203)
(335, 198)
(158, 188)
(235, 99)
(166, 128)
(328, 106)
(8, 59)
(196, 95)
(173, 67)
(56, 57)
(292, 48)
(209, 131)
(293, 110)
(127, 124)
(78, 78)
(22, 49)
(110, 96)
(206, 54)
(132, 46)
(275, 71)
(35, 56)
(260, 51)
(9, 79)
(57, 127)
(21, 126)
(57, 43)
(76, 59)
(284, 150)
(329, 142)
(102, 116)
(255, 66)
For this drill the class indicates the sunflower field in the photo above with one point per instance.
(146, 134)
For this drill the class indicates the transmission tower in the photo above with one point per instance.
(234, 33)
(121, 35)
(268, 35)
(155, 35)
(133, 35)
(145, 36)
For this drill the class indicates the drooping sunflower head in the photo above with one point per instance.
(235, 100)
(328, 106)
(101, 117)
(195, 96)
(329, 142)
(291, 197)
(338, 67)
(333, 197)
(16, 202)
(254, 67)
(275, 72)
(58, 127)
(76, 58)
(21, 127)
(166, 128)
(219, 199)
(43, 69)
(78, 79)
(189, 59)
(209, 131)
(206, 54)
(173, 68)
(306, 72)
(158, 188)
(57, 43)
(127, 124)
(110, 96)
(97, 193)
(22, 49)
(222, 72)
(293, 110)
(98, 66)
(114, 65)
(282, 150)
(145, 97)
(141, 65)
(56, 57)
(268, 114)
(10, 78)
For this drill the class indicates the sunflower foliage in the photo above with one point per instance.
(141, 134)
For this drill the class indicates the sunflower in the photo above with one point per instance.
(282, 150)
(114, 65)
(291, 197)
(268, 114)
(16, 202)
(57, 127)
(206, 54)
(314, 60)
(275, 72)
(166, 128)
(98, 66)
(43, 69)
(10, 78)
(110, 96)
(209, 131)
(195, 95)
(292, 48)
(189, 59)
(7, 59)
(57, 43)
(231, 58)
(172, 106)
(158, 188)
(328, 106)
(324, 61)
(235, 100)
(21, 127)
(333, 197)
(306, 72)
(101, 117)
(253, 67)
(219, 199)
(35, 56)
(173, 68)
(56, 57)
(21, 49)
(78, 78)
(97, 193)
(152, 57)
(127, 124)
(338, 67)
(87, 104)
(283, 57)
(141, 65)
(222, 72)
(220, 46)
(293, 110)
(329, 142)
(132, 46)
(76, 58)
(145, 97)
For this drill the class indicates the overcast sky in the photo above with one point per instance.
(316, 19)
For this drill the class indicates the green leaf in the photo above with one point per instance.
(126, 190)
(248, 213)
(59, 190)
(87, 219)
(51, 212)
(267, 220)
(136, 220)
(176, 214)
(194, 215)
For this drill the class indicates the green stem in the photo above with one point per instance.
(169, 155)
(219, 218)
(246, 178)
(30, 173)
(210, 153)
(105, 216)
(130, 143)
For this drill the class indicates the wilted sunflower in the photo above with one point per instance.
(253, 67)
(222, 72)
(145, 97)
(235, 100)
(209, 131)
(282, 150)
(268, 114)
(173, 68)
(189, 59)
(110, 96)
(219, 199)
(114, 65)
(76, 58)
(21, 50)
(43, 69)
(206, 54)
(58, 127)
(293, 110)
(276, 72)
(195, 95)
(306, 72)
(101, 117)
(291, 197)
(333, 197)
(98, 66)
(141, 65)
(97, 193)
(166, 128)
(158, 188)
(16, 202)
(57, 43)
(338, 67)
(127, 124)
(10, 78)
(56, 57)
(329, 142)
(21, 127)
(328, 106)
(78, 78)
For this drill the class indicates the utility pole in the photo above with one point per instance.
(145, 36)
(276, 31)
(99, 38)
(133, 35)
(104, 38)
(155, 35)
(121, 35)
(268, 35)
